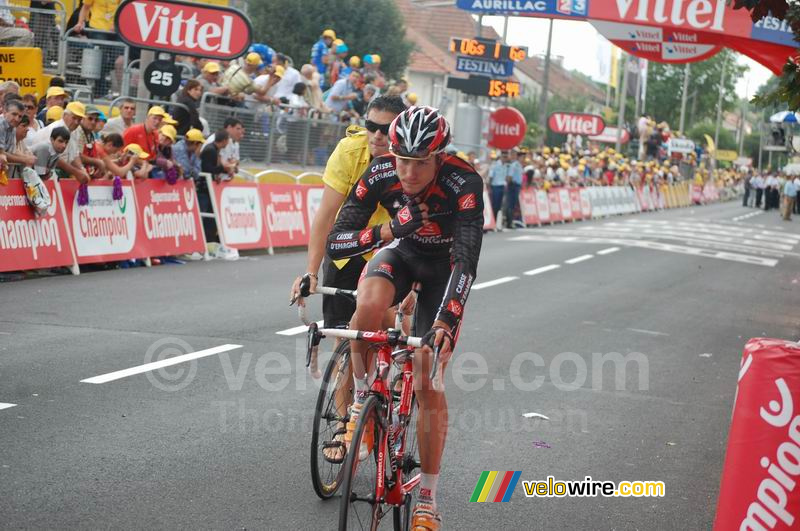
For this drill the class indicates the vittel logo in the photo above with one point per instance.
(505, 129)
(576, 123)
(697, 14)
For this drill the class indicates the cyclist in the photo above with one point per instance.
(346, 164)
(434, 237)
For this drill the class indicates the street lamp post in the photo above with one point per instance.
(546, 83)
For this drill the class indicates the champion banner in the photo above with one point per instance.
(27, 242)
(106, 229)
(239, 214)
(170, 217)
(289, 210)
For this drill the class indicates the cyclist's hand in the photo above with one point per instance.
(302, 287)
(439, 336)
(409, 219)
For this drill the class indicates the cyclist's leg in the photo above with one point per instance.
(433, 416)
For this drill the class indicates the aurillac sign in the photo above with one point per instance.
(577, 8)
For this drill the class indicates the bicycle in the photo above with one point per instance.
(385, 424)
(330, 412)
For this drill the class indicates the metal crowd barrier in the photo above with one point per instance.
(95, 64)
(275, 135)
(47, 26)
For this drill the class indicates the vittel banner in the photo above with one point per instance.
(184, 28)
(27, 242)
(239, 215)
(106, 229)
(170, 217)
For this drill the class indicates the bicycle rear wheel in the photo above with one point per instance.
(359, 508)
(329, 418)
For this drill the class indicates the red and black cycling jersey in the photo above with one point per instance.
(455, 229)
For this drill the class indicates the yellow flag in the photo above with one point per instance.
(711, 146)
(614, 75)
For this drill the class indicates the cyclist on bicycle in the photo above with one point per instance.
(346, 164)
(434, 237)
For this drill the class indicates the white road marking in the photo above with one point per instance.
(750, 215)
(4, 405)
(579, 259)
(117, 375)
(648, 332)
(495, 282)
(608, 251)
(539, 270)
(534, 415)
(5, 333)
(296, 330)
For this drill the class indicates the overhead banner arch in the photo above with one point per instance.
(698, 28)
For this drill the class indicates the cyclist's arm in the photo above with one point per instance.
(467, 239)
(321, 227)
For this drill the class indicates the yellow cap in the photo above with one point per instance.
(77, 108)
(157, 110)
(329, 33)
(253, 59)
(279, 70)
(376, 59)
(136, 149)
(336, 42)
(212, 67)
(55, 91)
(169, 120)
(412, 98)
(169, 132)
(355, 61)
(546, 150)
(195, 135)
(54, 113)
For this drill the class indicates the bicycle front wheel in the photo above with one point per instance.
(360, 507)
(327, 434)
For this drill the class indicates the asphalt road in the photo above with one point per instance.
(221, 442)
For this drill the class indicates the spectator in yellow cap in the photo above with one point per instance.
(239, 78)
(55, 96)
(163, 163)
(53, 114)
(411, 98)
(141, 167)
(209, 78)
(186, 154)
(70, 164)
(320, 50)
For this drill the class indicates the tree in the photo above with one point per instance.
(665, 87)
(726, 139)
(366, 26)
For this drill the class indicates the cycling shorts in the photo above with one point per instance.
(337, 311)
(402, 266)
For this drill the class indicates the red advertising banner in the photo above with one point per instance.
(527, 204)
(240, 218)
(576, 123)
(542, 206)
(170, 217)
(289, 210)
(566, 205)
(106, 229)
(555, 206)
(575, 203)
(184, 28)
(586, 203)
(27, 242)
(762, 462)
(697, 194)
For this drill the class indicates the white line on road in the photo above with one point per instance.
(648, 332)
(296, 330)
(5, 333)
(609, 250)
(579, 259)
(495, 282)
(539, 270)
(116, 375)
(4, 405)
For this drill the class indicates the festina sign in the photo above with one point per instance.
(576, 123)
(485, 67)
(184, 28)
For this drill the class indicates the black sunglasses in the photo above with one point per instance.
(373, 127)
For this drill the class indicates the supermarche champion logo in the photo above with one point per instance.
(165, 218)
(33, 233)
(285, 213)
(105, 225)
(240, 210)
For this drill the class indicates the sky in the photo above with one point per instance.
(577, 42)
